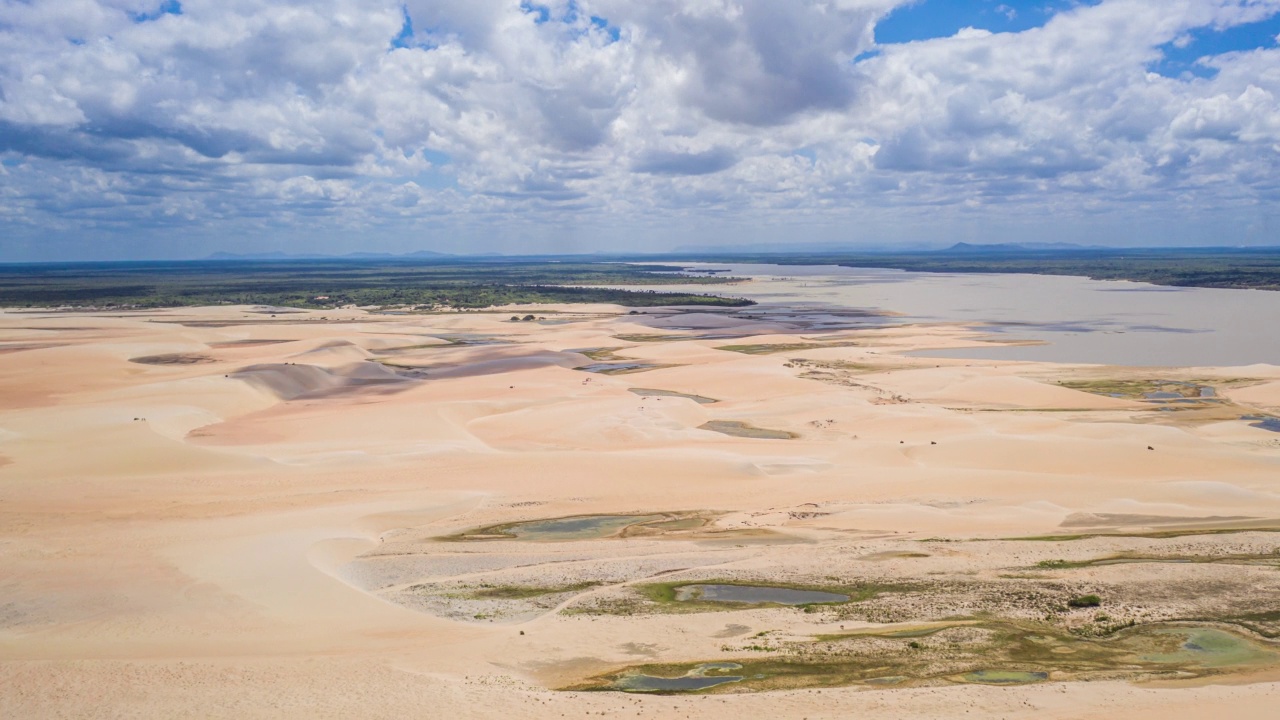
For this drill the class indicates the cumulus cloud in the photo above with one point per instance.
(472, 119)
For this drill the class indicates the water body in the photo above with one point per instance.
(756, 595)
(1081, 320)
(586, 527)
(1210, 648)
(1266, 423)
(699, 678)
(744, 430)
(649, 392)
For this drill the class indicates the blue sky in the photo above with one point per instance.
(930, 19)
(150, 128)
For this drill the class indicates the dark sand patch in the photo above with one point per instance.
(291, 381)
(245, 343)
(1091, 520)
(495, 362)
(66, 328)
(22, 347)
(625, 368)
(173, 359)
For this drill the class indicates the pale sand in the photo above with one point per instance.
(236, 538)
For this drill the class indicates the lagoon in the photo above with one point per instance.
(1079, 320)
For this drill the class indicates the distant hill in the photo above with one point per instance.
(1019, 247)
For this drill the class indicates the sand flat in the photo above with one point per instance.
(266, 535)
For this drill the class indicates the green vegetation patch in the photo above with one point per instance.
(524, 592)
(1130, 559)
(320, 284)
(1144, 389)
(601, 354)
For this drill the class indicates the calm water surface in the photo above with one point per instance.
(1082, 320)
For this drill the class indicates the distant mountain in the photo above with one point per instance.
(277, 255)
(1018, 247)
(790, 248)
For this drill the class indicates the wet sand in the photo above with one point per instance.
(266, 534)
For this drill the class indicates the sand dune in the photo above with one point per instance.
(282, 530)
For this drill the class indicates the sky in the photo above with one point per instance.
(134, 129)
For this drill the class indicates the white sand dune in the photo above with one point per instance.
(271, 534)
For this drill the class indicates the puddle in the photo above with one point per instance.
(1266, 423)
(744, 430)
(1210, 648)
(582, 527)
(649, 392)
(619, 368)
(699, 678)
(755, 595)
(1004, 677)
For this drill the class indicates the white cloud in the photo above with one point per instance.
(284, 119)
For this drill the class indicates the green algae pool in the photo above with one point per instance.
(700, 677)
(755, 595)
(1211, 648)
(579, 527)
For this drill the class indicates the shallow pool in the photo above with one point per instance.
(699, 678)
(756, 595)
(583, 527)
